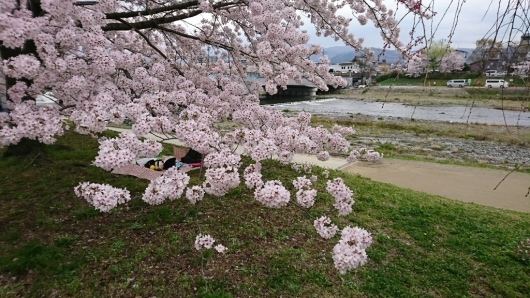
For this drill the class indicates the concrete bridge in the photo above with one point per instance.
(294, 89)
(305, 88)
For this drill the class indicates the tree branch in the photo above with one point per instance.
(144, 37)
(151, 11)
(162, 20)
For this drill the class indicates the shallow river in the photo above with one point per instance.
(461, 114)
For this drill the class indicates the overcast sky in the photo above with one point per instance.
(475, 22)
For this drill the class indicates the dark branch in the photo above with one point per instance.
(162, 20)
(144, 37)
(149, 24)
(152, 11)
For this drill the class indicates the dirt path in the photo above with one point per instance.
(466, 184)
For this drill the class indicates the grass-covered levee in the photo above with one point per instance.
(54, 244)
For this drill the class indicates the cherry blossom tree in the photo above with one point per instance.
(452, 61)
(111, 60)
(417, 64)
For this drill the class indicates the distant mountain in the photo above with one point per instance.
(390, 56)
(339, 54)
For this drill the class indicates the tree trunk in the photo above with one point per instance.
(24, 148)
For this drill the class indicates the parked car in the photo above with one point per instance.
(494, 73)
(490, 73)
(496, 83)
(456, 83)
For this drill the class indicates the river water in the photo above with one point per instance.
(457, 114)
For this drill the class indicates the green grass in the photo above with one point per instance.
(413, 82)
(53, 244)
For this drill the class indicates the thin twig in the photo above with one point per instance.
(468, 116)
(199, 228)
(517, 168)
(38, 154)
(301, 208)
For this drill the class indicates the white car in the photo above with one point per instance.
(496, 83)
(456, 83)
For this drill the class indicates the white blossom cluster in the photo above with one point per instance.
(170, 186)
(218, 181)
(342, 194)
(252, 176)
(350, 252)
(323, 155)
(306, 168)
(222, 174)
(364, 154)
(42, 124)
(102, 196)
(223, 158)
(305, 195)
(343, 130)
(194, 194)
(354, 156)
(324, 227)
(203, 241)
(273, 194)
(206, 242)
(121, 151)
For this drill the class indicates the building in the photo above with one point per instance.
(345, 67)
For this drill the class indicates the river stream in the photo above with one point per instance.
(458, 114)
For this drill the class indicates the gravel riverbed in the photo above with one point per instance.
(506, 155)
(447, 148)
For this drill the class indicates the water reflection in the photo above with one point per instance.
(460, 114)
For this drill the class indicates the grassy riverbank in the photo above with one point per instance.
(508, 99)
(518, 136)
(54, 244)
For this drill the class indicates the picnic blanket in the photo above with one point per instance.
(143, 172)
(139, 170)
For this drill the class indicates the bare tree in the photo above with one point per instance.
(365, 65)
(486, 51)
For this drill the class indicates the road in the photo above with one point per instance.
(467, 184)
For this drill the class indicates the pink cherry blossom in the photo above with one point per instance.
(102, 196)
(124, 60)
(203, 241)
(350, 252)
(326, 232)
(272, 194)
(170, 186)
(342, 194)
(194, 194)
(220, 248)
